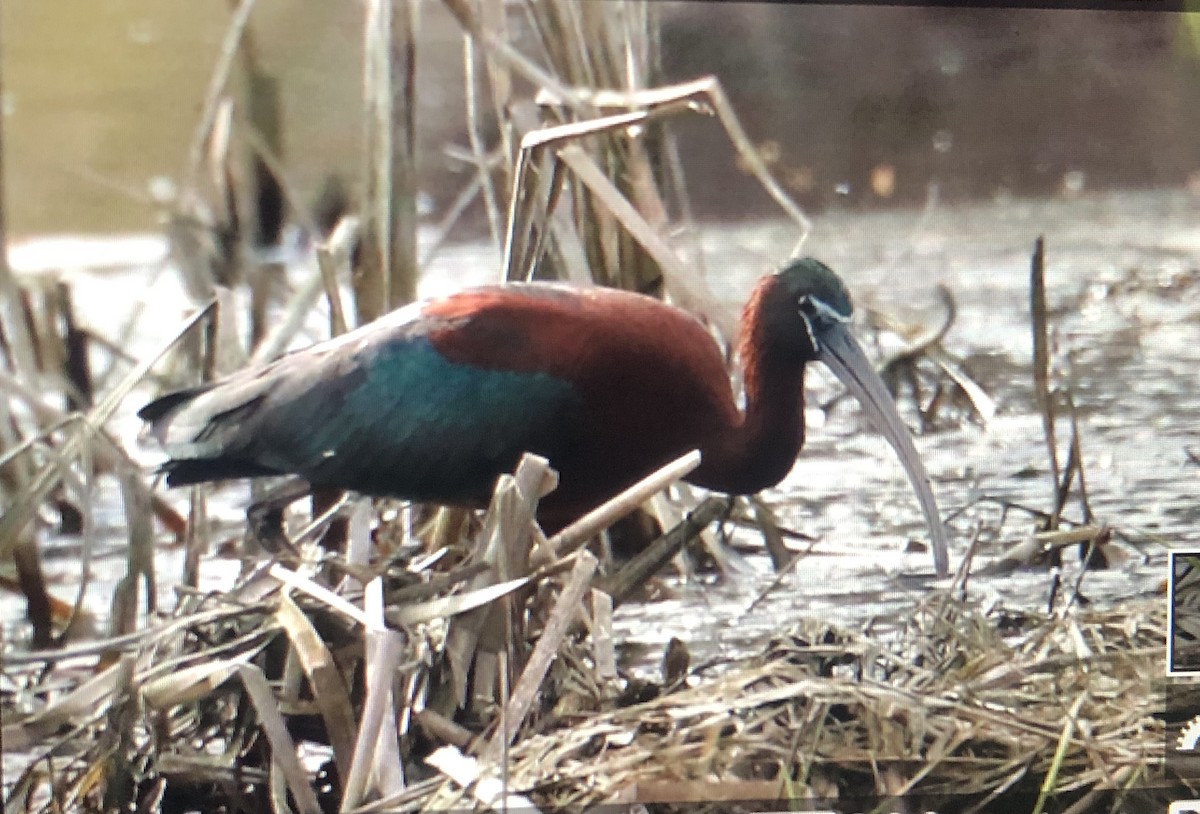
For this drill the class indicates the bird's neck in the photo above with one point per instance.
(759, 451)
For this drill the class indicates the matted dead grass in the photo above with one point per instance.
(439, 682)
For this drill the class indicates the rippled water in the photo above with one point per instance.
(1125, 300)
(1124, 294)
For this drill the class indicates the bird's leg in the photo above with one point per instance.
(335, 536)
(632, 533)
(264, 518)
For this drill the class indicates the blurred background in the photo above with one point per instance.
(852, 106)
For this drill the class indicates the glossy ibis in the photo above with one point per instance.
(433, 401)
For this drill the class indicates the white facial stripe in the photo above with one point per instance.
(812, 337)
(827, 311)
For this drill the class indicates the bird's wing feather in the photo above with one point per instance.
(379, 410)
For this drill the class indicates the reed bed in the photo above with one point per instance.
(307, 689)
(472, 665)
(956, 715)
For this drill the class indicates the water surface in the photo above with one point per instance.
(1125, 298)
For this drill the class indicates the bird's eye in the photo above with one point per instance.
(810, 308)
(813, 308)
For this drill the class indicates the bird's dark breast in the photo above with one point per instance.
(648, 380)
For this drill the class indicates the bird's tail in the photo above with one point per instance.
(158, 412)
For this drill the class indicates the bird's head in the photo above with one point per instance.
(809, 289)
(806, 315)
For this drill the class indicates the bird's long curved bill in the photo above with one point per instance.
(842, 354)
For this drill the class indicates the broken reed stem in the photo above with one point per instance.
(525, 692)
(329, 687)
(1074, 465)
(385, 651)
(388, 277)
(652, 558)
(369, 283)
(216, 90)
(1041, 365)
(403, 272)
(140, 558)
(483, 176)
(603, 647)
(283, 748)
(1061, 481)
(334, 262)
(782, 558)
